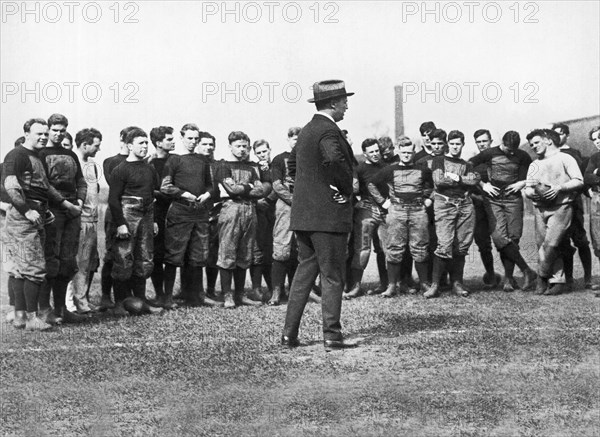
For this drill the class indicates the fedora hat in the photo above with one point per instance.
(328, 89)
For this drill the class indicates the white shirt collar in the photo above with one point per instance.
(324, 114)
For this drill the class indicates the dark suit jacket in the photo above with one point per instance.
(323, 157)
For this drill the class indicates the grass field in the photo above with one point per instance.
(494, 364)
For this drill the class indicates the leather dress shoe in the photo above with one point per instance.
(289, 341)
(339, 344)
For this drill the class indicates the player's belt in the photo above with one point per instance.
(454, 199)
(366, 204)
(244, 201)
(137, 201)
(38, 205)
(42, 208)
(186, 202)
(414, 202)
(191, 203)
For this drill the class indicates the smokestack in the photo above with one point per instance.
(399, 115)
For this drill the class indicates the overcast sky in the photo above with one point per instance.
(179, 62)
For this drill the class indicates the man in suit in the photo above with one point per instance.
(321, 213)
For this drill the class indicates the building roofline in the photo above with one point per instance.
(578, 119)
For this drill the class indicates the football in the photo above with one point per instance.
(541, 189)
(135, 306)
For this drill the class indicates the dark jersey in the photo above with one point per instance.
(189, 173)
(394, 159)
(364, 173)
(24, 177)
(266, 176)
(3, 194)
(110, 164)
(502, 169)
(162, 200)
(291, 164)
(589, 178)
(283, 184)
(427, 160)
(137, 179)
(421, 154)
(444, 185)
(404, 183)
(482, 170)
(64, 172)
(241, 180)
(279, 168)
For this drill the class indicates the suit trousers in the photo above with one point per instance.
(324, 253)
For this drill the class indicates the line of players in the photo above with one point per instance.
(190, 211)
(165, 211)
(428, 207)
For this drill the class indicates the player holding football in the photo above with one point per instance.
(552, 181)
